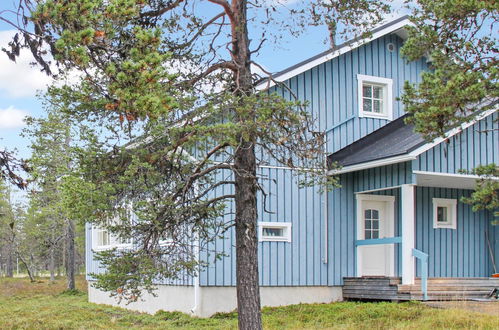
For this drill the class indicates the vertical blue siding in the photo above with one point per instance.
(281, 263)
(460, 252)
(474, 146)
(331, 88)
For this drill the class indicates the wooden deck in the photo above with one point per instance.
(389, 288)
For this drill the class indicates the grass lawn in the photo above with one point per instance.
(41, 305)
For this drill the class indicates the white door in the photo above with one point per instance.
(376, 221)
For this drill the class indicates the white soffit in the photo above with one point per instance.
(446, 180)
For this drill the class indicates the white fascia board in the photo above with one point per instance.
(340, 51)
(413, 154)
(371, 164)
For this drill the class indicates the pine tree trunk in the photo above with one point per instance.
(52, 264)
(70, 257)
(248, 290)
(248, 294)
(9, 272)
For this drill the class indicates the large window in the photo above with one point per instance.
(375, 97)
(444, 213)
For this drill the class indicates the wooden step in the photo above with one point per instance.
(463, 281)
(389, 288)
(403, 288)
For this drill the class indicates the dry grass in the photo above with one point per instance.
(41, 305)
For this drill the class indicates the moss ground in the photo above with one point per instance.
(44, 305)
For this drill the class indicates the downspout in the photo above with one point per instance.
(325, 228)
(197, 288)
(325, 207)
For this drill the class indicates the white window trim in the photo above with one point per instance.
(286, 226)
(387, 96)
(112, 241)
(451, 204)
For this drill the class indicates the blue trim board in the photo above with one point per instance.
(378, 241)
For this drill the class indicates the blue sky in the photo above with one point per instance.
(20, 82)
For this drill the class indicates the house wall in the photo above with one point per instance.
(331, 89)
(460, 252)
(94, 267)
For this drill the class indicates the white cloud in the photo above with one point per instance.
(12, 118)
(19, 79)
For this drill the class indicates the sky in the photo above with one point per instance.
(20, 82)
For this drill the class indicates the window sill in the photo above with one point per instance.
(369, 115)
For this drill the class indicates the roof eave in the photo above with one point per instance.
(412, 155)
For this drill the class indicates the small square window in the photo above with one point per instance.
(274, 231)
(375, 97)
(444, 213)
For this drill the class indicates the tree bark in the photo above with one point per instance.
(52, 264)
(30, 274)
(9, 272)
(70, 255)
(248, 290)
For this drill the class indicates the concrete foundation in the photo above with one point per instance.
(216, 299)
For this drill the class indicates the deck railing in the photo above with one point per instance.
(423, 258)
(376, 241)
(420, 255)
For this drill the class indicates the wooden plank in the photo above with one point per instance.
(372, 287)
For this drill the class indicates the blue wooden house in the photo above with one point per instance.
(397, 219)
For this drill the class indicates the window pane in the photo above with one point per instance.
(442, 214)
(377, 92)
(273, 232)
(368, 106)
(375, 224)
(375, 214)
(375, 234)
(367, 214)
(368, 224)
(367, 90)
(377, 106)
(104, 238)
(367, 234)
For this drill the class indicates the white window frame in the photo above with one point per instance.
(451, 205)
(285, 226)
(113, 241)
(387, 102)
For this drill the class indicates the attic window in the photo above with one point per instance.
(375, 97)
(274, 231)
